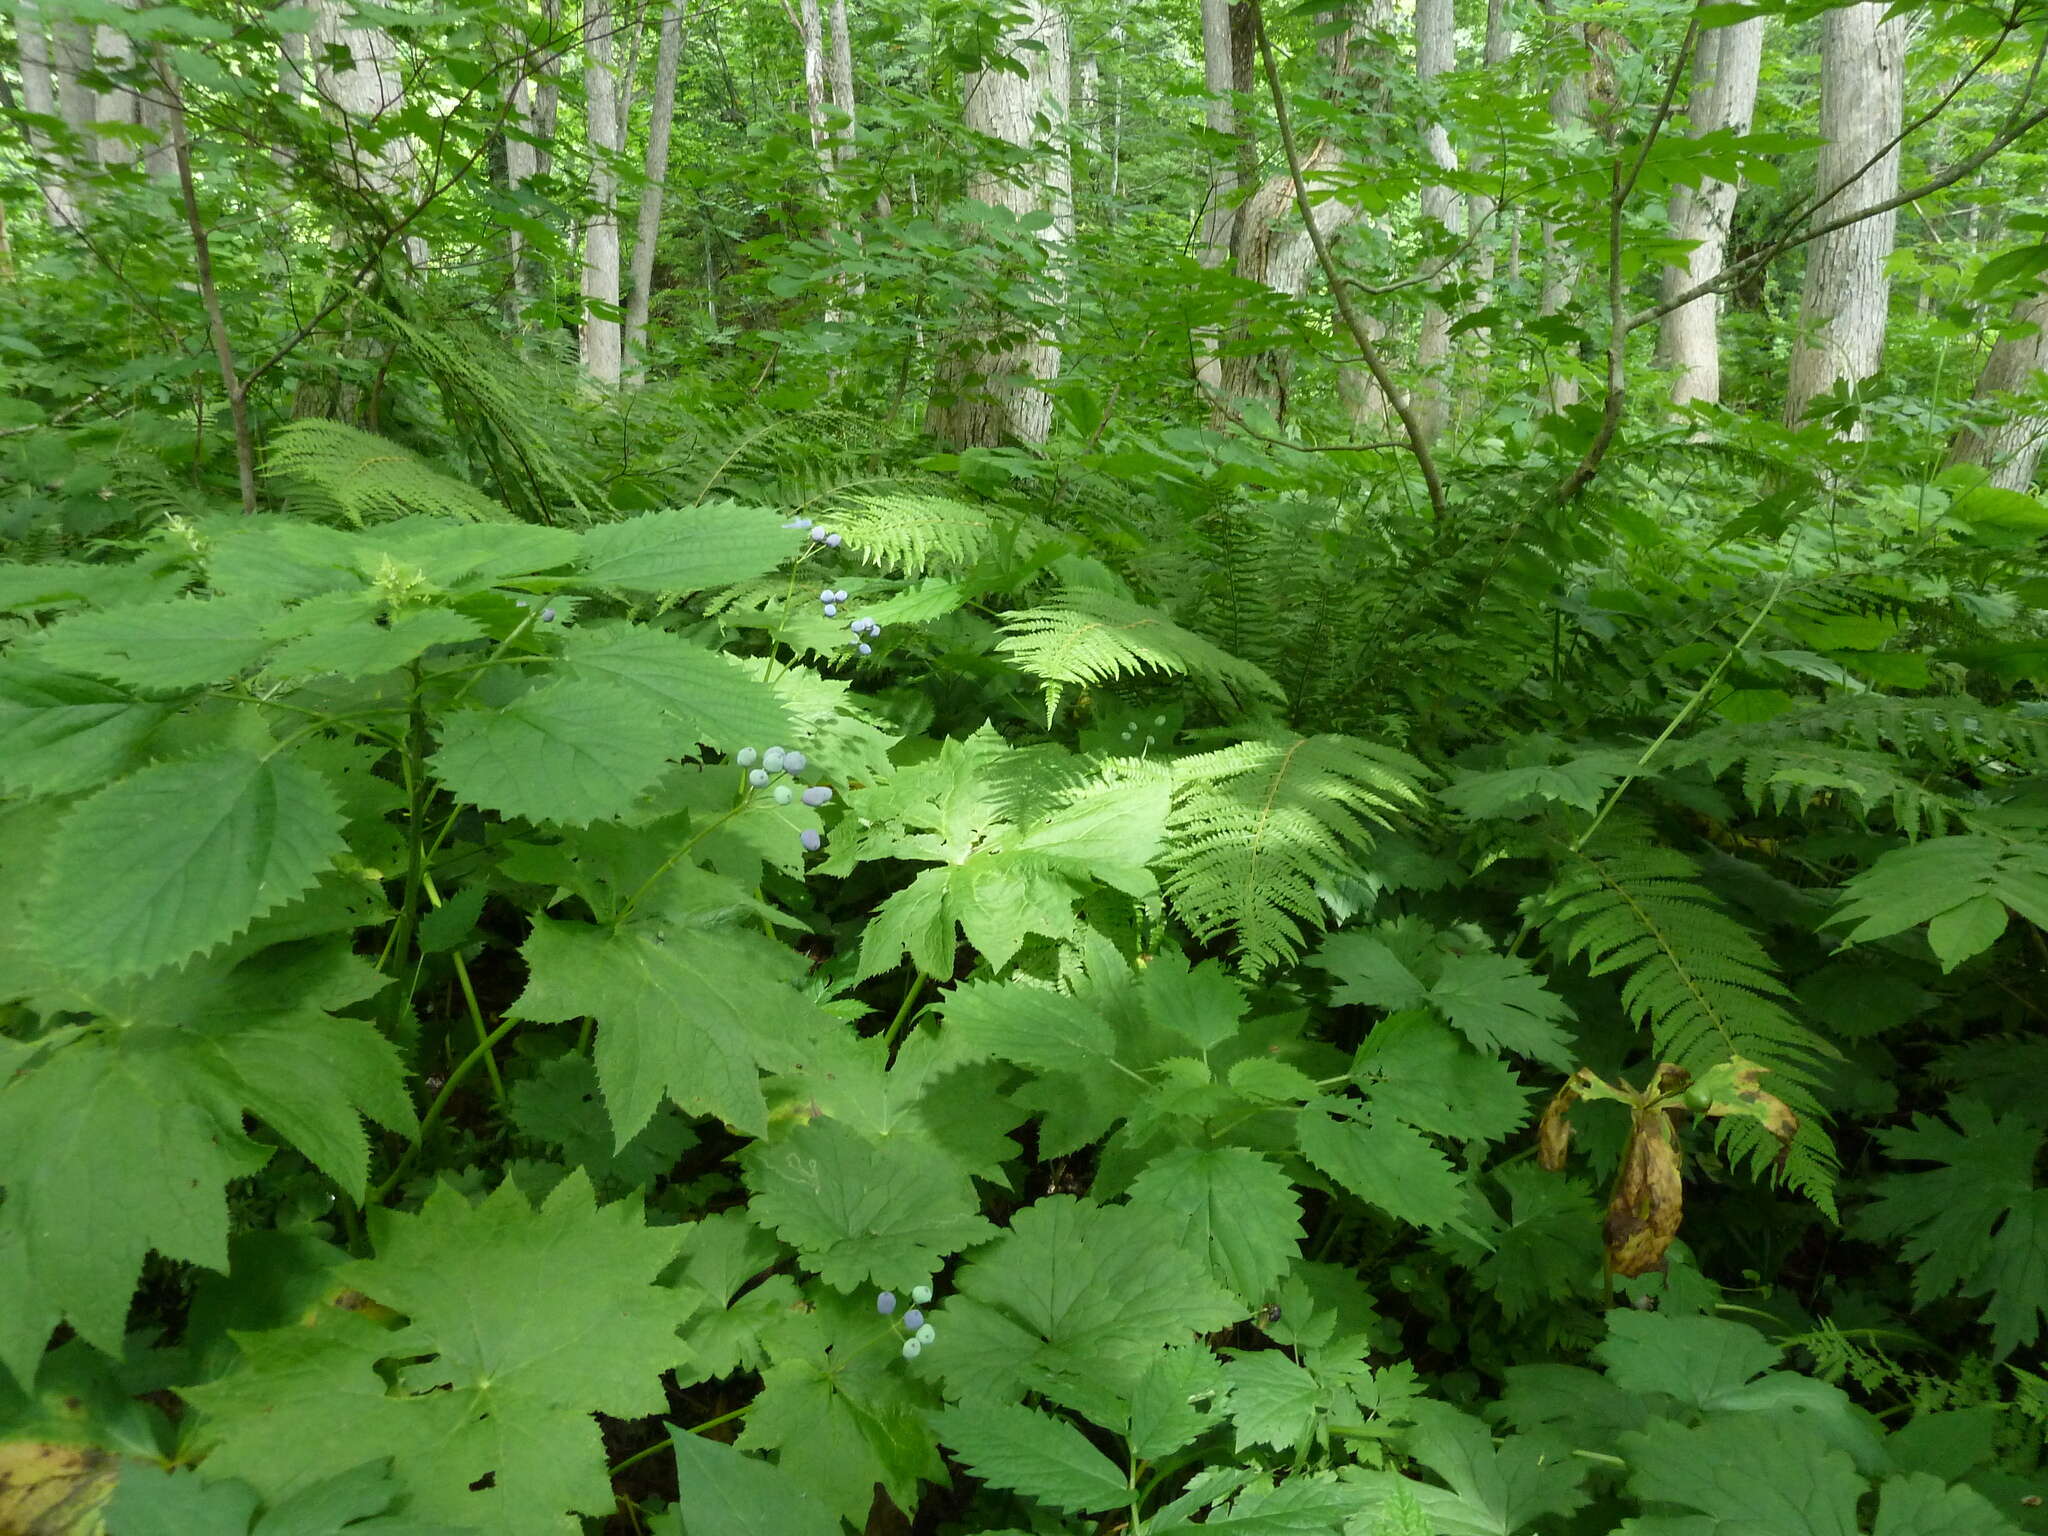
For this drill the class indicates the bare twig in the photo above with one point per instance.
(1417, 443)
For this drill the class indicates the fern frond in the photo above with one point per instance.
(1697, 978)
(913, 533)
(1085, 637)
(1260, 830)
(363, 478)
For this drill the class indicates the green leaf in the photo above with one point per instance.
(1413, 1068)
(1495, 1001)
(111, 1147)
(521, 1324)
(1491, 1489)
(687, 549)
(1784, 1482)
(724, 1492)
(1272, 1400)
(205, 846)
(683, 1012)
(1018, 1448)
(1231, 1204)
(1701, 1361)
(714, 698)
(1202, 1004)
(570, 753)
(364, 646)
(1956, 882)
(1072, 1280)
(1976, 1224)
(60, 733)
(1175, 1400)
(860, 1210)
(166, 647)
(1386, 1164)
(1026, 1024)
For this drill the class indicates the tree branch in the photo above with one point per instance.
(209, 294)
(1417, 443)
(1617, 331)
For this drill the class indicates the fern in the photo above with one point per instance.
(1697, 978)
(361, 478)
(1260, 831)
(910, 533)
(1085, 637)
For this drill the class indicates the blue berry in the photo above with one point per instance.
(831, 610)
(926, 1334)
(912, 1349)
(794, 762)
(825, 596)
(758, 777)
(819, 536)
(817, 795)
(886, 1303)
(547, 615)
(519, 603)
(913, 1319)
(784, 794)
(920, 1294)
(747, 757)
(799, 522)
(772, 759)
(812, 841)
(839, 596)
(832, 540)
(866, 649)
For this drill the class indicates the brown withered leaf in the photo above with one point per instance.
(1649, 1197)
(47, 1489)
(1554, 1130)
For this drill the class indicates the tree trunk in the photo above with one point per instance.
(1723, 98)
(839, 75)
(366, 90)
(1561, 265)
(1434, 56)
(1219, 217)
(647, 224)
(1481, 207)
(986, 394)
(39, 97)
(2011, 450)
(600, 339)
(810, 28)
(1846, 295)
(121, 106)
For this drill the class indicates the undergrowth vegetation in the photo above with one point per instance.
(1145, 986)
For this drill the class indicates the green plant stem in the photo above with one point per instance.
(911, 994)
(476, 1012)
(1699, 693)
(432, 1117)
(661, 1445)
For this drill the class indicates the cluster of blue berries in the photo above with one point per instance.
(778, 761)
(818, 535)
(921, 1332)
(864, 626)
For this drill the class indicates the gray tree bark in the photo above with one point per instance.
(358, 94)
(1724, 81)
(121, 106)
(39, 96)
(1434, 56)
(1846, 295)
(647, 220)
(600, 342)
(986, 394)
(1561, 264)
(2011, 450)
(1219, 216)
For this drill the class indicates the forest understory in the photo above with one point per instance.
(979, 767)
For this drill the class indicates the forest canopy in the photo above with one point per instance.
(1023, 766)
